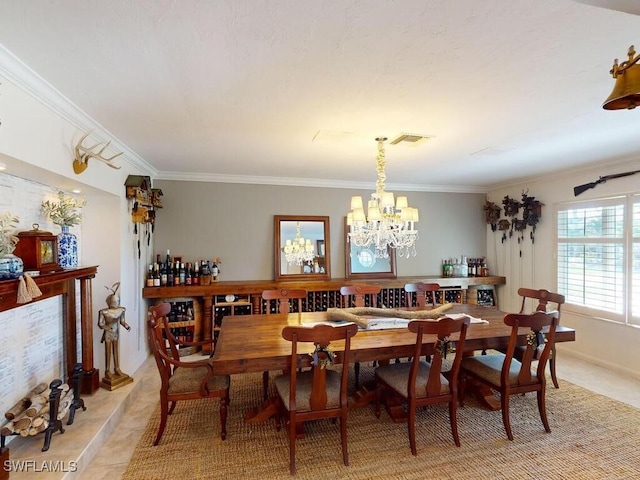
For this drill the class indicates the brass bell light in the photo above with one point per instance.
(626, 92)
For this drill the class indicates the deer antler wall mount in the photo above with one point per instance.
(83, 154)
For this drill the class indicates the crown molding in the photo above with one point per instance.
(311, 182)
(16, 71)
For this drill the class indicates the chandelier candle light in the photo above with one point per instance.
(299, 251)
(388, 224)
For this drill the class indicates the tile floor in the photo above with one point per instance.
(102, 452)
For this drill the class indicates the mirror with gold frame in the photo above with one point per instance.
(361, 262)
(315, 263)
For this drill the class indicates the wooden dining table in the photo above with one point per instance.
(254, 343)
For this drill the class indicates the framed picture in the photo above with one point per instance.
(361, 262)
(320, 248)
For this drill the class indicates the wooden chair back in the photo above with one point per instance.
(538, 346)
(311, 394)
(443, 346)
(158, 343)
(424, 293)
(282, 297)
(360, 295)
(543, 297)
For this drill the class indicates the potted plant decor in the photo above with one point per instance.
(66, 213)
(10, 265)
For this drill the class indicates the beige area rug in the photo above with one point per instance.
(592, 437)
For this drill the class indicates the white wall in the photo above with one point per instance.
(597, 340)
(36, 145)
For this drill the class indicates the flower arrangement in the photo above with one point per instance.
(536, 339)
(320, 360)
(443, 346)
(65, 211)
(8, 223)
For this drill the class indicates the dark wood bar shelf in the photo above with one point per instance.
(64, 283)
(322, 293)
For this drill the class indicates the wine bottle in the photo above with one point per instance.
(176, 274)
(188, 275)
(215, 271)
(163, 275)
(196, 274)
(170, 274)
(156, 275)
(182, 272)
(150, 276)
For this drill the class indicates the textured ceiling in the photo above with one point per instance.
(297, 90)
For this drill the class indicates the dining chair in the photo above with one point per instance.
(423, 293)
(317, 393)
(508, 375)
(421, 383)
(182, 380)
(542, 297)
(360, 296)
(280, 300)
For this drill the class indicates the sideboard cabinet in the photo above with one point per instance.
(221, 299)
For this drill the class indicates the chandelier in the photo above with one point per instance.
(298, 251)
(388, 224)
(626, 92)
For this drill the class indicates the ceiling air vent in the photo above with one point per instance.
(409, 139)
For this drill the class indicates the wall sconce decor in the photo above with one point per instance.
(83, 154)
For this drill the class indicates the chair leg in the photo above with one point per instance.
(542, 408)
(164, 412)
(292, 445)
(504, 400)
(223, 416)
(552, 367)
(356, 369)
(379, 389)
(343, 436)
(462, 387)
(453, 419)
(411, 424)
(173, 405)
(265, 385)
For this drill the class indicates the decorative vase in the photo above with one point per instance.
(67, 248)
(10, 266)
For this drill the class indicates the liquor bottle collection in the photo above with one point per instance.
(174, 272)
(465, 267)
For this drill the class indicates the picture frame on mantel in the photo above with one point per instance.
(361, 263)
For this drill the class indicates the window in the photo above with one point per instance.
(598, 251)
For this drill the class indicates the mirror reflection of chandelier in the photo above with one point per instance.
(298, 251)
(388, 224)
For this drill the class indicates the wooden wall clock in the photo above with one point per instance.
(38, 250)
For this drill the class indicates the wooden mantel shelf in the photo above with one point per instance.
(64, 283)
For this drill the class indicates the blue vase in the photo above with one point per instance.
(67, 248)
(10, 266)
